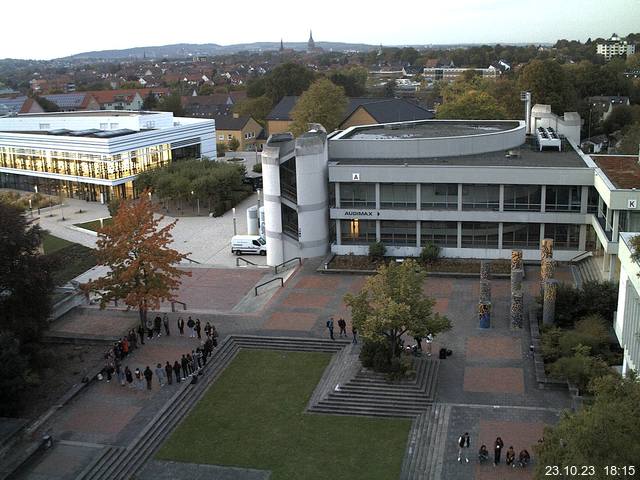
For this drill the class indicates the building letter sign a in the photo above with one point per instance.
(355, 177)
(632, 203)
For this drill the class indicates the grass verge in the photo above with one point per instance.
(69, 259)
(253, 417)
(94, 225)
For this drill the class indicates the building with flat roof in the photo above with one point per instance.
(615, 47)
(96, 155)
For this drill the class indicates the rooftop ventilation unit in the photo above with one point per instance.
(547, 137)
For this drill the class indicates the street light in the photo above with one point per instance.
(235, 228)
(258, 201)
(197, 201)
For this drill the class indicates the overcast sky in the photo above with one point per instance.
(43, 29)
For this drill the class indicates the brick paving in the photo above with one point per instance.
(489, 380)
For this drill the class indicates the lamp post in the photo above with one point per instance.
(197, 202)
(258, 201)
(235, 228)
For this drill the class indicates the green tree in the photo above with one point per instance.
(392, 303)
(150, 102)
(601, 434)
(171, 103)
(221, 149)
(287, 79)
(258, 108)
(620, 117)
(25, 277)
(472, 105)
(389, 89)
(234, 144)
(323, 103)
(630, 142)
(14, 369)
(354, 81)
(548, 84)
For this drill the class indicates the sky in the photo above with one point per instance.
(39, 29)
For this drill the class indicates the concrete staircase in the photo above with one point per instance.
(371, 394)
(118, 463)
(589, 269)
(426, 445)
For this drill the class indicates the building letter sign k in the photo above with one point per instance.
(632, 204)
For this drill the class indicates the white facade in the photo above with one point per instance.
(627, 320)
(614, 48)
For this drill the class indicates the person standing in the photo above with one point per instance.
(418, 340)
(148, 375)
(181, 326)
(149, 328)
(139, 382)
(429, 339)
(330, 327)
(497, 451)
(157, 325)
(191, 324)
(214, 335)
(354, 332)
(343, 327)
(185, 367)
(160, 374)
(165, 322)
(128, 376)
(176, 371)
(198, 328)
(141, 334)
(207, 330)
(168, 370)
(133, 339)
(463, 447)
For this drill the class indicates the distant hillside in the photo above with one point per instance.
(187, 49)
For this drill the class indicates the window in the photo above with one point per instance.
(481, 197)
(592, 201)
(521, 235)
(522, 197)
(104, 126)
(357, 232)
(44, 126)
(479, 235)
(289, 221)
(113, 126)
(563, 199)
(398, 195)
(230, 137)
(221, 137)
(357, 195)
(439, 196)
(398, 233)
(565, 236)
(443, 234)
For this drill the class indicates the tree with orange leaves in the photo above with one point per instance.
(143, 269)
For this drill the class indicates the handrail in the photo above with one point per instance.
(266, 283)
(192, 261)
(173, 305)
(581, 256)
(246, 261)
(288, 261)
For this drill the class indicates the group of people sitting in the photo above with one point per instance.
(524, 458)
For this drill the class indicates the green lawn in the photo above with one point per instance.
(69, 259)
(253, 417)
(94, 224)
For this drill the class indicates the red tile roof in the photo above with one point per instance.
(622, 170)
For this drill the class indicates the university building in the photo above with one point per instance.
(96, 155)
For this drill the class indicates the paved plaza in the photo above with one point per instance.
(488, 380)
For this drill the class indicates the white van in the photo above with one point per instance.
(248, 244)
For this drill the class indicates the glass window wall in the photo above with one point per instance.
(565, 236)
(400, 196)
(521, 235)
(443, 234)
(524, 198)
(439, 196)
(289, 221)
(563, 198)
(357, 195)
(357, 232)
(398, 233)
(481, 197)
(479, 235)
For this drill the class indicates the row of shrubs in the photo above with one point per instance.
(581, 350)
(430, 252)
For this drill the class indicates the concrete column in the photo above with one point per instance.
(582, 238)
(500, 231)
(377, 230)
(605, 262)
(584, 199)
(459, 197)
(541, 233)
(609, 220)
(337, 189)
(549, 302)
(418, 234)
(600, 202)
(459, 234)
(272, 204)
(612, 267)
(338, 233)
(616, 224)
(418, 198)
(543, 199)
(501, 201)
(378, 197)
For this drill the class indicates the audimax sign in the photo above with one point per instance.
(360, 213)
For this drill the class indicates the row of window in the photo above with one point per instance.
(445, 234)
(444, 196)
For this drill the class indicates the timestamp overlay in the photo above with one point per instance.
(614, 471)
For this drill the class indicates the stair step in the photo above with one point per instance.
(377, 412)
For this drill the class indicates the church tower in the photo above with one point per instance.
(281, 46)
(311, 45)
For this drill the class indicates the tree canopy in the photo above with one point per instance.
(142, 267)
(287, 79)
(323, 103)
(392, 303)
(258, 108)
(471, 105)
(548, 83)
(601, 434)
(353, 80)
